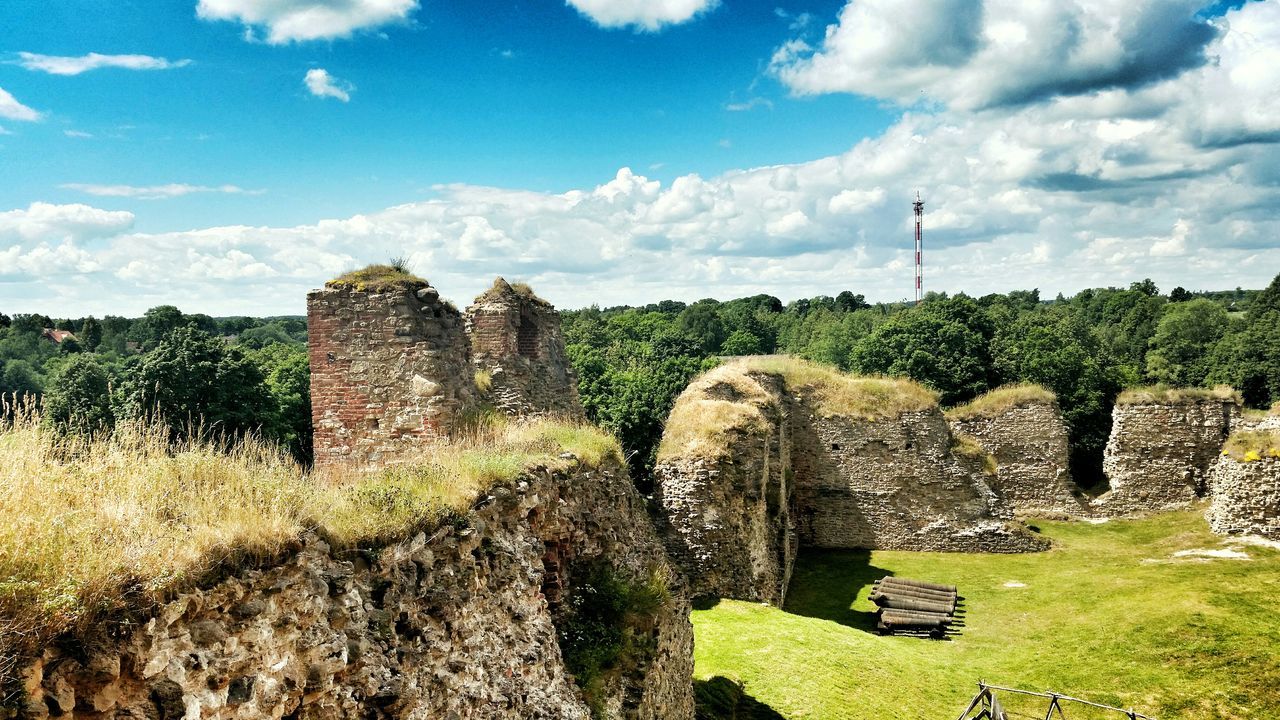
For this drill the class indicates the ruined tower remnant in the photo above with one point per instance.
(390, 367)
(516, 340)
(1163, 442)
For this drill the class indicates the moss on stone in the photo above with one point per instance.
(378, 278)
(1003, 399)
(1165, 395)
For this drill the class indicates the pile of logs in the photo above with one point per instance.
(915, 607)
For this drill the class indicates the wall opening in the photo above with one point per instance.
(527, 337)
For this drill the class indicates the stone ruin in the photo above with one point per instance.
(1162, 446)
(516, 340)
(1022, 428)
(395, 366)
(753, 466)
(390, 369)
(1244, 482)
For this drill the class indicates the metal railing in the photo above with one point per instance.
(986, 704)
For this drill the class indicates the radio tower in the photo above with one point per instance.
(919, 207)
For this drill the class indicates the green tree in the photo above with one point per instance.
(287, 371)
(1179, 294)
(741, 342)
(91, 334)
(942, 343)
(192, 381)
(264, 335)
(1186, 334)
(79, 397)
(701, 320)
(156, 324)
(18, 377)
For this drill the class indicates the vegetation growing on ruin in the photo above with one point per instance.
(1253, 445)
(501, 286)
(1165, 395)
(1110, 614)
(379, 278)
(837, 394)
(92, 525)
(968, 447)
(718, 404)
(1002, 399)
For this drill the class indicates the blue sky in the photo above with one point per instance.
(242, 151)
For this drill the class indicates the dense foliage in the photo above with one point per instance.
(634, 361)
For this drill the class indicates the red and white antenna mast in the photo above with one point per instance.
(919, 208)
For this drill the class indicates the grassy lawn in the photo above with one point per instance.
(1109, 615)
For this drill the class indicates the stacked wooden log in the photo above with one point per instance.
(915, 607)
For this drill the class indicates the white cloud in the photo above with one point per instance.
(3, 131)
(751, 104)
(155, 192)
(300, 20)
(1174, 180)
(974, 54)
(61, 65)
(650, 15)
(13, 110)
(77, 134)
(322, 84)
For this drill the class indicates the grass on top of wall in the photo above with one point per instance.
(838, 394)
(1253, 445)
(1002, 399)
(1165, 395)
(89, 527)
(379, 278)
(1111, 614)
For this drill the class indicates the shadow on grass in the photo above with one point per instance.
(825, 583)
(723, 699)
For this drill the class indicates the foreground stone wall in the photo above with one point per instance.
(516, 338)
(726, 519)
(1245, 497)
(894, 484)
(1031, 448)
(388, 371)
(461, 624)
(1159, 455)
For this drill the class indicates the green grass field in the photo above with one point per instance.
(1110, 614)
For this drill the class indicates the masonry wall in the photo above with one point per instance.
(1031, 448)
(726, 520)
(894, 484)
(516, 338)
(388, 371)
(461, 624)
(1245, 497)
(1159, 455)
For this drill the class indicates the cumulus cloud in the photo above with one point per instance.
(973, 54)
(649, 15)
(321, 84)
(13, 110)
(62, 65)
(287, 21)
(1177, 179)
(49, 222)
(155, 192)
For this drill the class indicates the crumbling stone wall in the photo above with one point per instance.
(1031, 448)
(1159, 455)
(388, 371)
(1245, 497)
(894, 484)
(734, 519)
(726, 519)
(516, 338)
(455, 625)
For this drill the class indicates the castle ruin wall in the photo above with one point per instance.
(1158, 456)
(1245, 497)
(389, 370)
(460, 624)
(1031, 448)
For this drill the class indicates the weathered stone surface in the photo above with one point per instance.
(727, 520)
(1245, 497)
(1158, 456)
(516, 338)
(1030, 445)
(388, 371)
(792, 477)
(457, 625)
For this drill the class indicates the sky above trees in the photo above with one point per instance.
(228, 155)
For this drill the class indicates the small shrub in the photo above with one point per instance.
(484, 381)
(379, 278)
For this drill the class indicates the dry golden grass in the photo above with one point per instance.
(722, 400)
(1002, 399)
(378, 278)
(968, 447)
(1165, 395)
(92, 526)
(838, 394)
(484, 381)
(501, 287)
(1253, 445)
